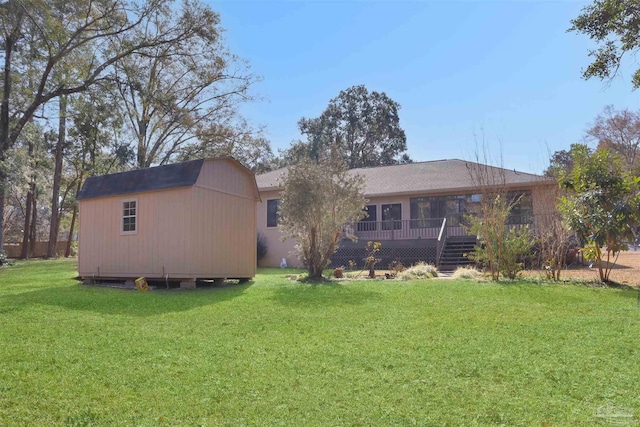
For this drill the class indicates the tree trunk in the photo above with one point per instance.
(2, 191)
(67, 251)
(53, 228)
(4, 131)
(9, 41)
(24, 252)
(34, 222)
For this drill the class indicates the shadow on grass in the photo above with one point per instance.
(323, 294)
(119, 301)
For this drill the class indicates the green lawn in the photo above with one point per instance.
(275, 352)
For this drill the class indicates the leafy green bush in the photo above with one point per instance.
(502, 248)
(421, 270)
(515, 248)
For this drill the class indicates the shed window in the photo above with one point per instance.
(129, 216)
(273, 206)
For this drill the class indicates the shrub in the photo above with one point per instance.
(302, 277)
(262, 246)
(504, 253)
(466, 273)
(373, 248)
(338, 273)
(419, 271)
(396, 267)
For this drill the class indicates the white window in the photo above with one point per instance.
(129, 216)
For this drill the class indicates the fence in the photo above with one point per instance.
(39, 249)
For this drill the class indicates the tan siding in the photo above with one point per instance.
(276, 249)
(544, 201)
(185, 232)
(226, 176)
(160, 244)
(224, 238)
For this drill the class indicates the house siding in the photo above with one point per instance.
(277, 249)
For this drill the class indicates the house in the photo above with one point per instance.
(186, 221)
(416, 210)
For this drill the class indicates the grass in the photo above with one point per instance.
(277, 352)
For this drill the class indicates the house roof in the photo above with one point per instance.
(184, 174)
(423, 177)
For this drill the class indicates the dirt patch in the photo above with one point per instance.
(626, 271)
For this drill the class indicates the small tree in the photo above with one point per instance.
(370, 261)
(317, 201)
(552, 235)
(501, 248)
(601, 206)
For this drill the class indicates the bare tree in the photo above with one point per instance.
(174, 93)
(619, 132)
(237, 140)
(502, 246)
(92, 37)
(551, 232)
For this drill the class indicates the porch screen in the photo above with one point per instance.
(522, 210)
(428, 212)
(392, 217)
(369, 223)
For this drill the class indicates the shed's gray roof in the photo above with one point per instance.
(175, 175)
(421, 177)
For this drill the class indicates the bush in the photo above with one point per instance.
(419, 271)
(262, 246)
(504, 253)
(396, 267)
(466, 273)
(516, 246)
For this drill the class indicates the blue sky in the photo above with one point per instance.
(503, 74)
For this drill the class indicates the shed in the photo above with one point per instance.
(185, 221)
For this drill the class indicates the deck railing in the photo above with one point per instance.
(442, 239)
(398, 229)
(420, 228)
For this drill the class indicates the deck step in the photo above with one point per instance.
(455, 253)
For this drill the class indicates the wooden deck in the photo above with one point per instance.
(407, 229)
